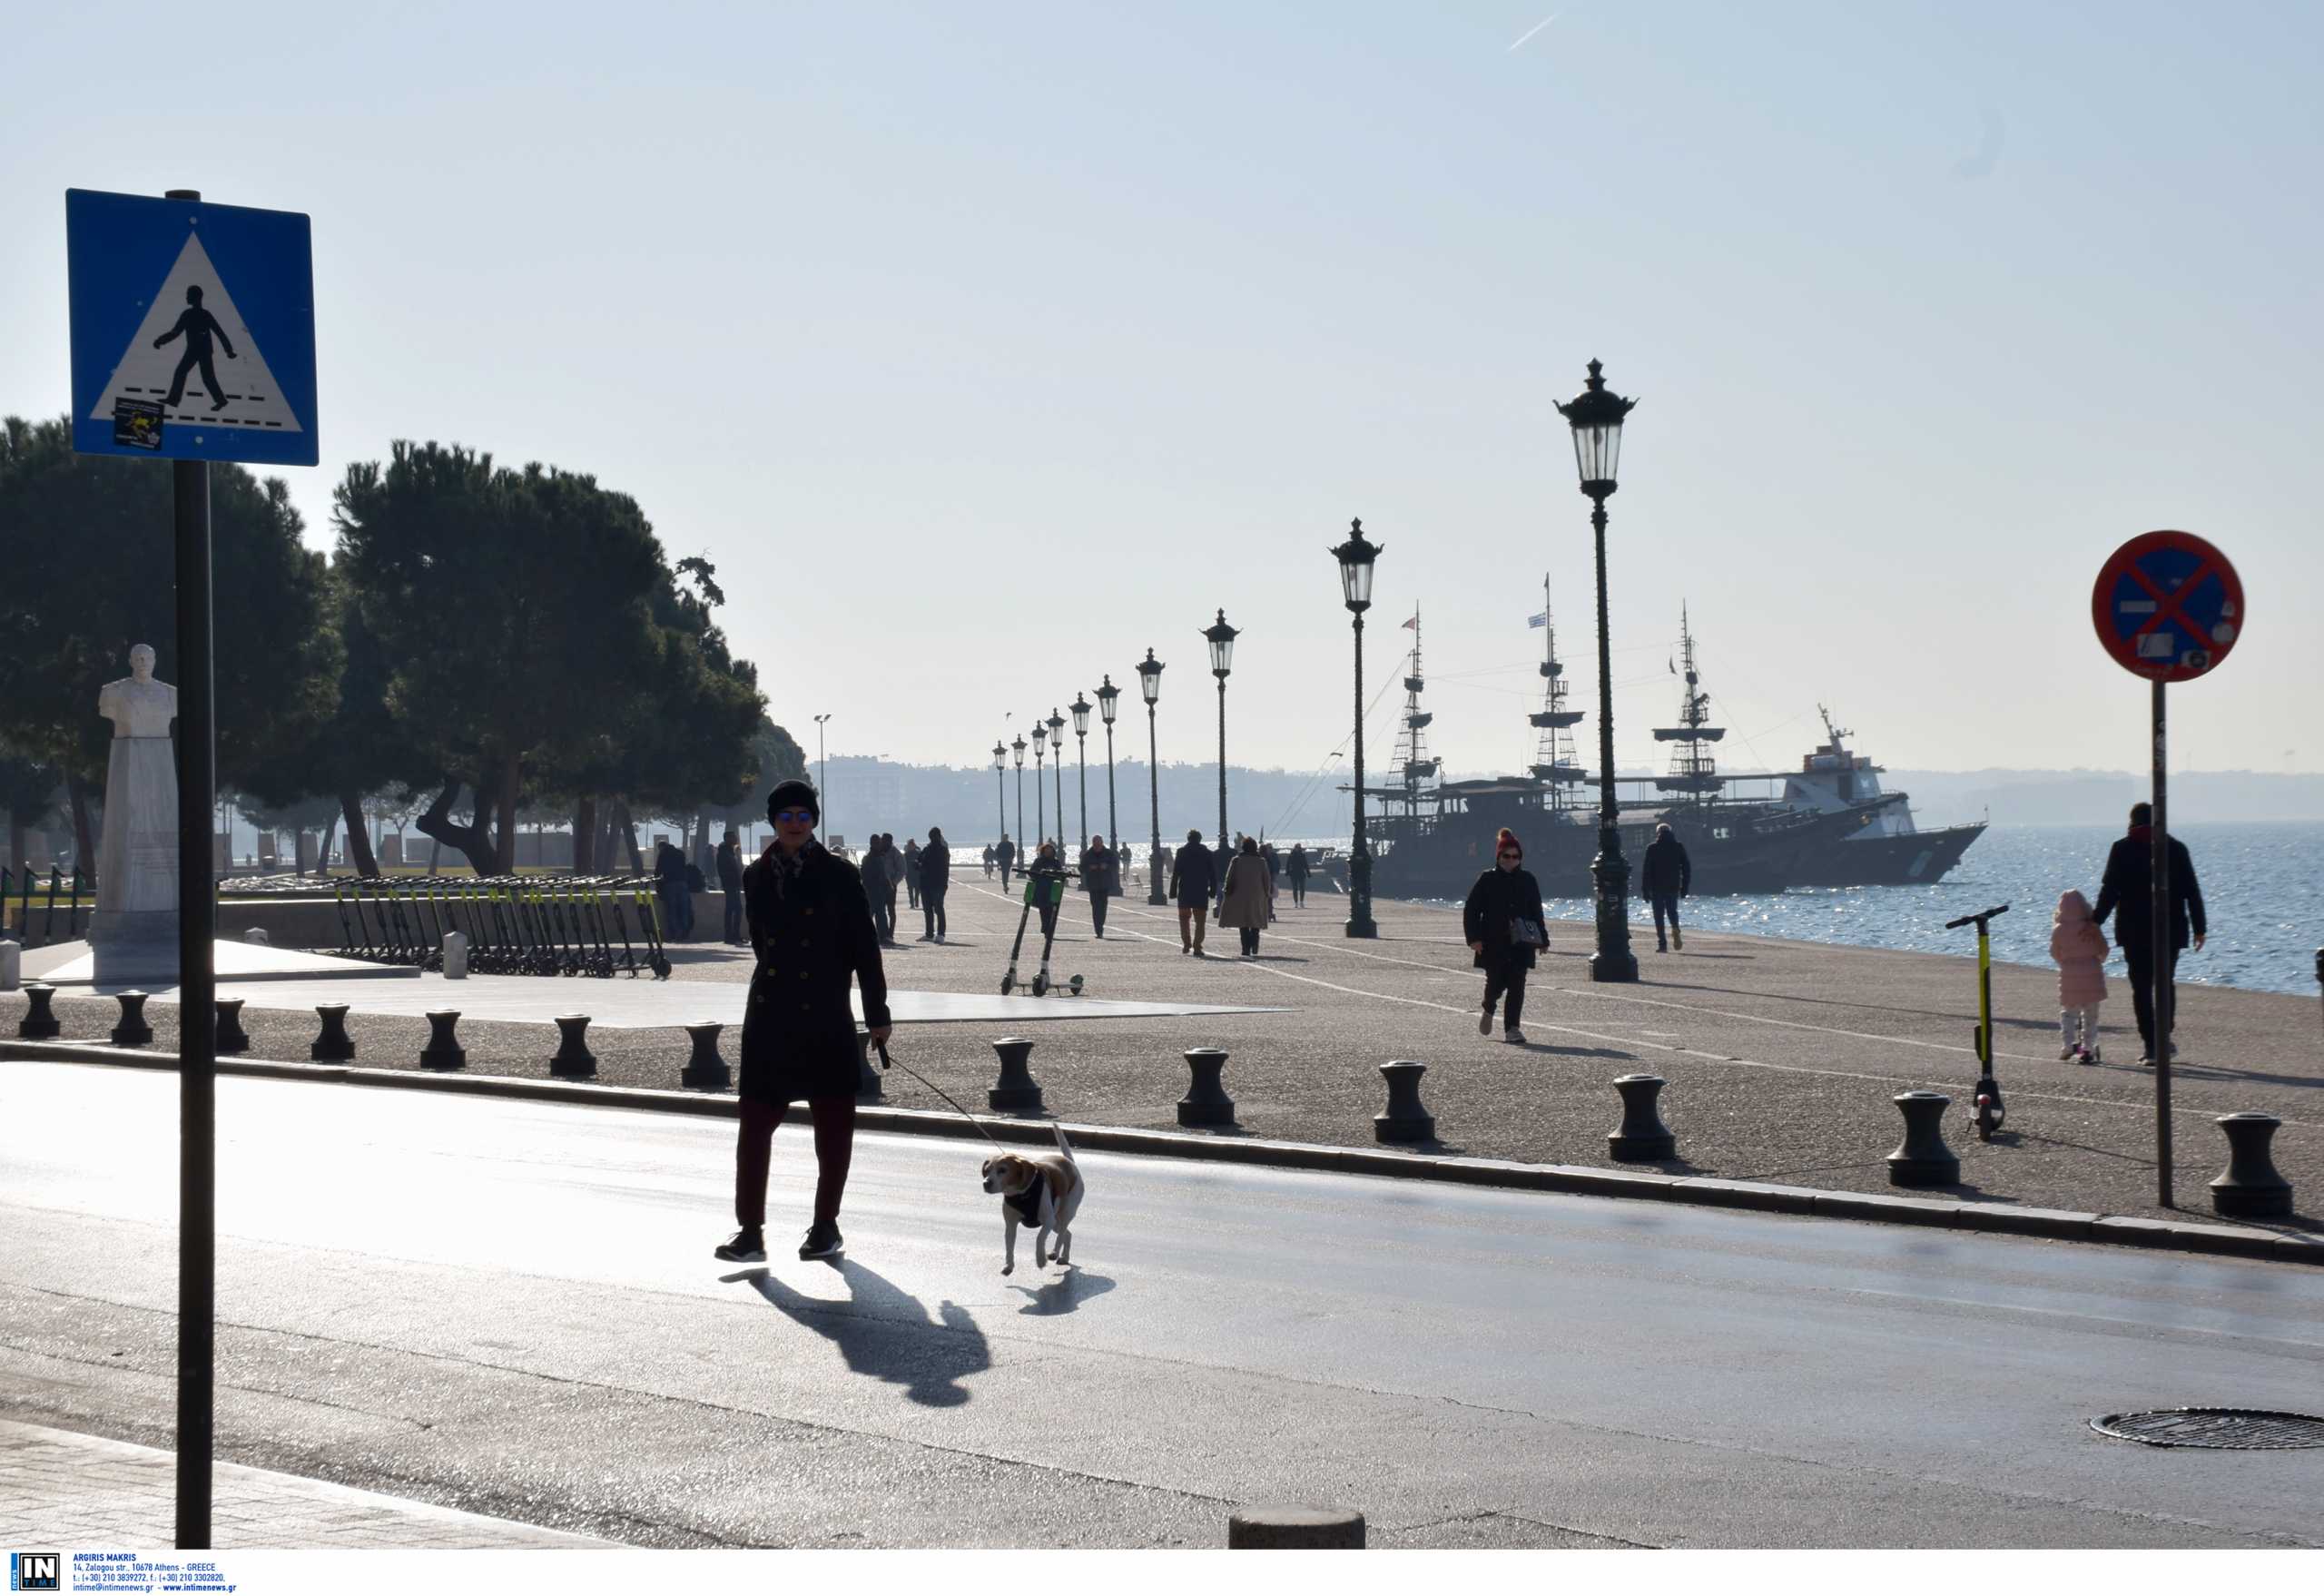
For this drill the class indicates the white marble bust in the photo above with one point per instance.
(137, 859)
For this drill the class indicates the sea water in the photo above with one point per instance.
(2262, 885)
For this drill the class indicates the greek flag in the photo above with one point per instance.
(1540, 620)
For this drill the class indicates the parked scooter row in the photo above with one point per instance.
(514, 925)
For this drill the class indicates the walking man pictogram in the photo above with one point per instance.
(198, 326)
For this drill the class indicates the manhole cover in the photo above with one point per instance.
(2233, 1429)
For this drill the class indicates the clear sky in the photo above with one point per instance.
(983, 346)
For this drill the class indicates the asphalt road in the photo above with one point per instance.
(512, 1308)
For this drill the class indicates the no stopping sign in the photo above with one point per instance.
(2167, 605)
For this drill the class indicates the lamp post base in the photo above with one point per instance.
(1609, 874)
(1360, 922)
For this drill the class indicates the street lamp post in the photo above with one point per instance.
(1149, 685)
(1001, 790)
(1221, 638)
(1019, 747)
(822, 776)
(1057, 769)
(1596, 416)
(1040, 796)
(1355, 556)
(1106, 694)
(1081, 707)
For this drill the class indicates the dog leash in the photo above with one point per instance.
(886, 1062)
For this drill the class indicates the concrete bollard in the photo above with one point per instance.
(1205, 1102)
(1922, 1158)
(1643, 1139)
(574, 1061)
(12, 965)
(1017, 1092)
(257, 938)
(704, 1068)
(231, 1037)
(443, 1051)
(456, 956)
(867, 1086)
(131, 1029)
(1406, 1119)
(1295, 1528)
(332, 1045)
(38, 1024)
(2251, 1187)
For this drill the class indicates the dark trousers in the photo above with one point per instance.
(931, 910)
(1509, 978)
(834, 1120)
(884, 914)
(1098, 911)
(734, 912)
(1049, 919)
(890, 899)
(2140, 957)
(911, 887)
(1298, 891)
(1666, 906)
(1250, 935)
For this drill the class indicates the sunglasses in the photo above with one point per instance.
(795, 817)
(1509, 855)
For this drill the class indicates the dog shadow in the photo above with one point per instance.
(1067, 1292)
(886, 1333)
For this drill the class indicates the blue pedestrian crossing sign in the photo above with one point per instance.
(193, 330)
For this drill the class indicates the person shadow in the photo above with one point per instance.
(886, 1333)
(1063, 1294)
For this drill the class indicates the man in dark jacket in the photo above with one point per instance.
(1005, 852)
(1193, 877)
(1297, 867)
(912, 874)
(2129, 886)
(872, 870)
(670, 886)
(1097, 879)
(935, 880)
(1664, 876)
(730, 883)
(810, 927)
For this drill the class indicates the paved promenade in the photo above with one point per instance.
(1781, 1057)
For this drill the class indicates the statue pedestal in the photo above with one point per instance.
(136, 946)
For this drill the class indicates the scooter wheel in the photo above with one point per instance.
(1040, 986)
(660, 970)
(1008, 984)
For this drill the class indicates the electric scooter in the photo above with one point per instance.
(1990, 1111)
(1037, 884)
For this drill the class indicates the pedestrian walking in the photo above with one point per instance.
(1097, 879)
(2078, 948)
(1274, 873)
(730, 885)
(2129, 886)
(1045, 868)
(877, 894)
(893, 858)
(810, 929)
(935, 880)
(1666, 875)
(669, 887)
(988, 861)
(912, 874)
(1297, 866)
(1246, 904)
(1193, 874)
(1504, 922)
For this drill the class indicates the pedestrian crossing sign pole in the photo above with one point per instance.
(194, 341)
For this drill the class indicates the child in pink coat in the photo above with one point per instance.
(2079, 948)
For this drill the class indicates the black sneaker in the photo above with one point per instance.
(748, 1246)
(822, 1241)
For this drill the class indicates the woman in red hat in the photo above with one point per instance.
(1504, 924)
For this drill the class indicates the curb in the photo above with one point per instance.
(1570, 1179)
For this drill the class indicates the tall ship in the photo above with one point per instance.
(1885, 849)
(1433, 837)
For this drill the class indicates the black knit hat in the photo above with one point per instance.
(793, 794)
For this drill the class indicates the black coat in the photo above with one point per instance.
(729, 867)
(798, 1032)
(1194, 876)
(1665, 869)
(1500, 897)
(1298, 863)
(935, 868)
(1097, 872)
(2129, 886)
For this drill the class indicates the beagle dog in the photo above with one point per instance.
(1045, 1192)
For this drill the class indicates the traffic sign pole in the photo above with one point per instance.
(2163, 956)
(197, 1007)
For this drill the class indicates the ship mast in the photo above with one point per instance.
(1412, 742)
(1553, 763)
(1693, 770)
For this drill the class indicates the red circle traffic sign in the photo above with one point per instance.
(2167, 605)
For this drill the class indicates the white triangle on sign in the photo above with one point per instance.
(146, 373)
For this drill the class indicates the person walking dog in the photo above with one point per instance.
(1504, 922)
(1249, 897)
(810, 929)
